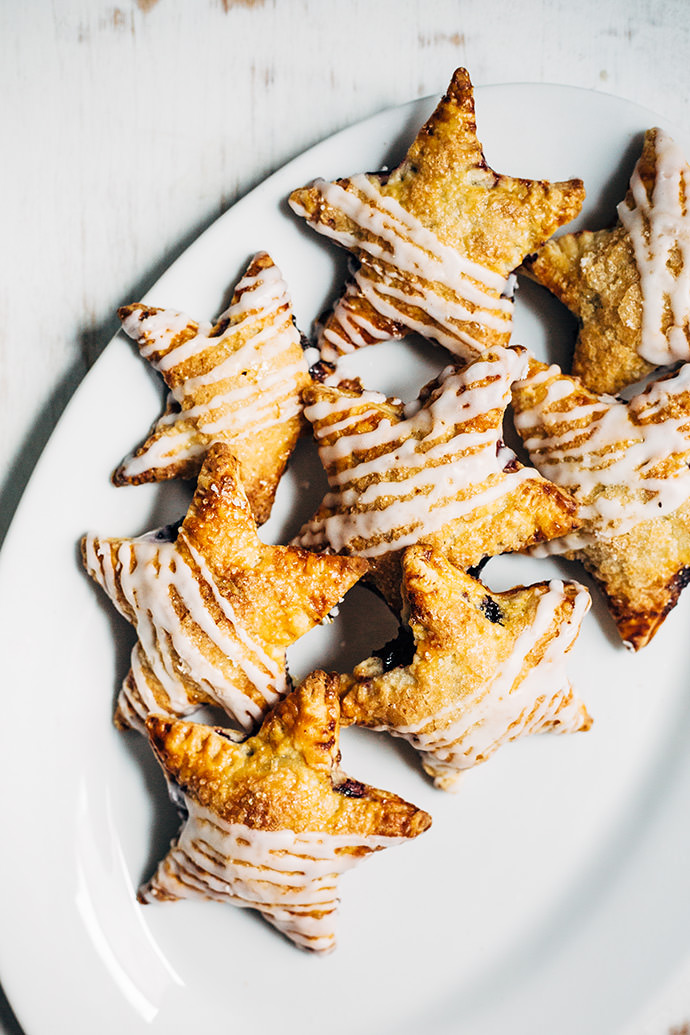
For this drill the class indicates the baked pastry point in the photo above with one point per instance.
(272, 822)
(482, 668)
(435, 472)
(238, 381)
(629, 285)
(626, 463)
(213, 606)
(435, 239)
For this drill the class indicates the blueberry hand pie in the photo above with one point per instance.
(626, 464)
(238, 381)
(273, 822)
(435, 239)
(482, 668)
(629, 285)
(435, 472)
(214, 608)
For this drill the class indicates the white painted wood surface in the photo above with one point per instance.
(127, 127)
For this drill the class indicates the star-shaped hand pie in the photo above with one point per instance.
(435, 239)
(238, 381)
(273, 822)
(440, 476)
(629, 286)
(481, 668)
(214, 607)
(626, 463)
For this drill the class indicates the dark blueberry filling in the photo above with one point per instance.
(682, 579)
(398, 652)
(350, 788)
(321, 370)
(176, 795)
(166, 534)
(491, 610)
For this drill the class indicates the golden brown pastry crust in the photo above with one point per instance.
(445, 185)
(215, 608)
(282, 787)
(391, 475)
(595, 274)
(642, 568)
(238, 382)
(486, 667)
(642, 573)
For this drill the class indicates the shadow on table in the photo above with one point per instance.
(21, 467)
(89, 344)
(9, 1025)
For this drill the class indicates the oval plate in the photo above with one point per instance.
(551, 893)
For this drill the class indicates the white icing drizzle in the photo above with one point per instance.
(347, 327)
(143, 582)
(227, 413)
(178, 443)
(239, 393)
(612, 456)
(452, 292)
(659, 227)
(428, 469)
(290, 878)
(523, 697)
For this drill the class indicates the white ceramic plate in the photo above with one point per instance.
(550, 895)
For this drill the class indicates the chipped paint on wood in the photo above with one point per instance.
(228, 4)
(456, 39)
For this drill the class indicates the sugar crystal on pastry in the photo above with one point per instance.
(629, 285)
(486, 667)
(238, 381)
(213, 606)
(273, 822)
(436, 239)
(436, 472)
(626, 463)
